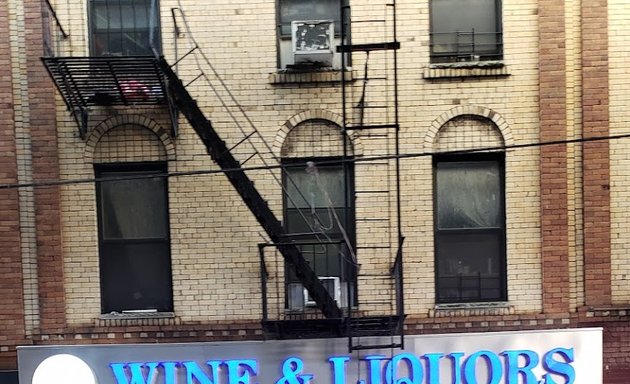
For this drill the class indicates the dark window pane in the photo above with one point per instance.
(320, 220)
(136, 276)
(295, 10)
(123, 27)
(470, 234)
(324, 259)
(463, 16)
(134, 238)
(323, 188)
(469, 195)
(315, 210)
(470, 266)
(463, 29)
(133, 209)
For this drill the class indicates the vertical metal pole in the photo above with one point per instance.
(401, 302)
(263, 280)
(345, 166)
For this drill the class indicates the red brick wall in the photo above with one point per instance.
(45, 167)
(596, 154)
(553, 159)
(11, 304)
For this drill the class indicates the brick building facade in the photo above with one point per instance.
(552, 243)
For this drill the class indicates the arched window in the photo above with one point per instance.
(133, 221)
(469, 214)
(319, 208)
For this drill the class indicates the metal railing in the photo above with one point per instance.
(54, 36)
(470, 45)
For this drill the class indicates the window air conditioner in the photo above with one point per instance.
(312, 42)
(332, 286)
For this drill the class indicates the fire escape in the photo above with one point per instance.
(92, 82)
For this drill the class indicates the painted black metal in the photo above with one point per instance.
(94, 81)
(250, 195)
(386, 46)
(390, 326)
(84, 82)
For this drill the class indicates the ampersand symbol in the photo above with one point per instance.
(292, 372)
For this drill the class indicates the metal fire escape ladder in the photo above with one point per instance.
(370, 111)
(221, 154)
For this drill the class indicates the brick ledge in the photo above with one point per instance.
(472, 309)
(332, 76)
(445, 71)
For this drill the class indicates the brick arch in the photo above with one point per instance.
(303, 116)
(139, 121)
(467, 110)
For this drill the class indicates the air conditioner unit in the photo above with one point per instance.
(332, 285)
(312, 42)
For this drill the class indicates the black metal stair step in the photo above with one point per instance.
(386, 46)
(305, 328)
(376, 346)
(374, 322)
(375, 106)
(371, 126)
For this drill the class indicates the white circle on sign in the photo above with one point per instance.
(63, 369)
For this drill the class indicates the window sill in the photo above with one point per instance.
(319, 76)
(472, 309)
(143, 318)
(466, 69)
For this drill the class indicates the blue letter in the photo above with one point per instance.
(495, 369)
(531, 361)
(193, 371)
(240, 376)
(292, 372)
(169, 372)
(136, 373)
(374, 367)
(339, 369)
(457, 366)
(433, 362)
(563, 368)
(413, 364)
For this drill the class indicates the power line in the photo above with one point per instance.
(50, 183)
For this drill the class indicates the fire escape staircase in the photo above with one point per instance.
(87, 82)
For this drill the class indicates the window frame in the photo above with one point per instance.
(118, 3)
(348, 271)
(282, 37)
(499, 158)
(454, 57)
(112, 304)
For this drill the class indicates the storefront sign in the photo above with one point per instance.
(530, 357)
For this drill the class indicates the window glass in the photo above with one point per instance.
(469, 266)
(463, 30)
(294, 10)
(470, 229)
(123, 27)
(134, 246)
(469, 195)
(133, 209)
(315, 214)
(321, 188)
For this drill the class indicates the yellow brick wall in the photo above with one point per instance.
(619, 81)
(214, 237)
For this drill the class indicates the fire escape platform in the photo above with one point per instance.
(95, 81)
(86, 82)
(364, 326)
